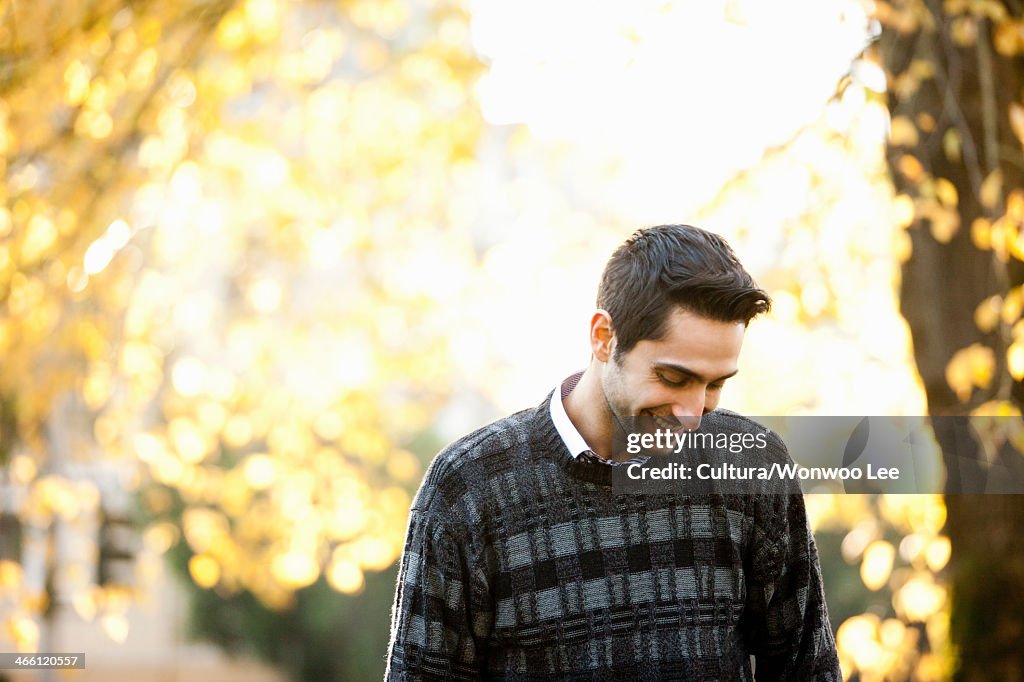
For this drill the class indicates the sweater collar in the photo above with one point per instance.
(545, 442)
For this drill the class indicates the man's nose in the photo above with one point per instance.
(689, 412)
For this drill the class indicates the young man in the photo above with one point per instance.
(521, 562)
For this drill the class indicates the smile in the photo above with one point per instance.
(669, 423)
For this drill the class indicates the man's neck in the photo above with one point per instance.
(588, 411)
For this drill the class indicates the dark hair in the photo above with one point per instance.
(662, 267)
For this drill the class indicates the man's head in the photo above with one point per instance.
(674, 303)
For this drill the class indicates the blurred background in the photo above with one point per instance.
(261, 259)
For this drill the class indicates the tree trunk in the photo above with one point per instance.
(950, 96)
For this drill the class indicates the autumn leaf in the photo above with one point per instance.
(946, 192)
(986, 315)
(991, 190)
(951, 145)
(1015, 360)
(911, 167)
(902, 133)
(1004, 38)
(1016, 114)
(970, 368)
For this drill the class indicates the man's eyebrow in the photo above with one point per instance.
(690, 373)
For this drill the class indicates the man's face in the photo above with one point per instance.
(678, 378)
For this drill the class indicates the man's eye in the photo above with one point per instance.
(716, 387)
(669, 382)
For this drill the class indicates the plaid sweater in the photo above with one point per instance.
(521, 564)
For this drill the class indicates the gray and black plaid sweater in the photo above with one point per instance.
(521, 564)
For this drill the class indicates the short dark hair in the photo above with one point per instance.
(660, 268)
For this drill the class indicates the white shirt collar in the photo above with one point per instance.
(569, 434)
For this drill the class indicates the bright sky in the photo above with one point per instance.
(702, 87)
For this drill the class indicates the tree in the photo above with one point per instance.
(82, 88)
(955, 75)
(276, 175)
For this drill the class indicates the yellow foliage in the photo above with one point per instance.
(1015, 360)
(24, 631)
(946, 192)
(857, 641)
(944, 223)
(1003, 237)
(1015, 206)
(987, 314)
(964, 31)
(981, 233)
(10, 575)
(295, 569)
(345, 576)
(128, 175)
(911, 168)
(970, 368)
(914, 513)
(937, 554)
(903, 210)
(205, 570)
(919, 598)
(991, 189)
(902, 132)
(952, 145)
(1013, 304)
(1016, 114)
(876, 564)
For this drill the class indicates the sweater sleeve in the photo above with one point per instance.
(440, 621)
(787, 624)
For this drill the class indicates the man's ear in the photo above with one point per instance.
(602, 336)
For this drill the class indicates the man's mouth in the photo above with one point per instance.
(668, 423)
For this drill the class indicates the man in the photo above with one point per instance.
(521, 562)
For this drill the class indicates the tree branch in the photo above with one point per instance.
(949, 84)
(989, 106)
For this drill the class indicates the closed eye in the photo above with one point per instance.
(674, 384)
(717, 386)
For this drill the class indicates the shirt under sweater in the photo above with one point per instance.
(571, 438)
(521, 564)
